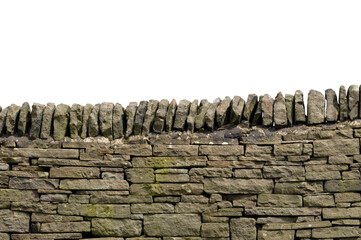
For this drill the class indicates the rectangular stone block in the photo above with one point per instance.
(40, 207)
(151, 208)
(11, 221)
(248, 173)
(283, 171)
(298, 187)
(290, 149)
(273, 211)
(318, 176)
(116, 227)
(211, 172)
(140, 175)
(169, 162)
(14, 195)
(39, 153)
(255, 150)
(215, 230)
(74, 172)
(237, 186)
(46, 236)
(172, 178)
(109, 198)
(94, 184)
(159, 189)
(49, 162)
(279, 200)
(175, 150)
(331, 147)
(195, 207)
(336, 232)
(59, 227)
(221, 150)
(297, 225)
(353, 185)
(187, 225)
(347, 197)
(105, 210)
(340, 213)
(276, 235)
(243, 229)
(319, 201)
(42, 217)
(133, 149)
(33, 183)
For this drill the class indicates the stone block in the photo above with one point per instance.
(175, 150)
(169, 162)
(243, 229)
(94, 184)
(220, 150)
(237, 186)
(215, 230)
(12, 221)
(74, 172)
(322, 148)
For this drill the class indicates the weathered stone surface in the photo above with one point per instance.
(117, 121)
(188, 225)
(315, 107)
(4, 236)
(237, 106)
(298, 187)
(170, 115)
(74, 172)
(283, 171)
(192, 116)
(332, 147)
(352, 185)
(288, 149)
(3, 114)
(88, 108)
(65, 227)
(61, 117)
(42, 217)
(353, 99)
(267, 110)
(201, 113)
(43, 207)
(347, 197)
(181, 115)
(106, 119)
(39, 153)
(105, 210)
(273, 211)
(211, 115)
(300, 116)
(94, 184)
(248, 173)
(140, 175)
(93, 122)
(298, 225)
(211, 172)
(118, 199)
(130, 112)
(319, 201)
(336, 232)
(257, 117)
(290, 103)
(11, 221)
(14, 195)
(343, 104)
(332, 110)
(219, 150)
(223, 112)
(139, 117)
(33, 183)
(24, 119)
(46, 123)
(315, 176)
(76, 120)
(149, 117)
(276, 235)
(133, 149)
(172, 178)
(215, 230)
(250, 107)
(152, 208)
(116, 227)
(237, 186)
(340, 213)
(46, 236)
(279, 200)
(169, 162)
(175, 150)
(54, 198)
(159, 121)
(243, 229)
(12, 118)
(280, 112)
(160, 189)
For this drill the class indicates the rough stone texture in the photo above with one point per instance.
(250, 107)
(343, 103)
(106, 120)
(159, 122)
(332, 110)
(192, 116)
(353, 99)
(130, 112)
(116, 227)
(76, 120)
(237, 106)
(118, 119)
(243, 229)
(290, 103)
(12, 117)
(46, 125)
(61, 118)
(280, 112)
(209, 117)
(12, 221)
(201, 113)
(169, 118)
(299, 107)
(181, 115)
(149, 117)
(223, 112)
(24, 119)
(93, 122)
(3, 114)
(267, 110)
(315, 107)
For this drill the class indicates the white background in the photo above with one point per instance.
(74, 51)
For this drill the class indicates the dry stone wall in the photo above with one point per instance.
(232, 169)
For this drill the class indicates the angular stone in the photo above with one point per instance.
(237, 186)
(118, 121)
(159, 121)
(140, 175)
(237, 106)
(290, 103)
(54, 198)
(248, 173)
(139, 117)
(43, 207)
(279, 200)
(105, 210)
(201, 114)
(4, 236)
(273, 211)
(175, 150)
(172, 178)
(353, 185)
(74, 172)
(211, 172)
(221, 150)
(14, 195)
(130, 112)
(60, 124)
(46, 123)
(152, 208)
(288, 149)
(317, 176)
(195, 207)
(3, 114)
(93, 122)
(133, 149)
(223, 112)
(17, 222)
(297, 225)
(192, 116)
(243, 229)
(106, 119)
(257, 117)
(300, 116)
(298, 187)
(332, 106)
(58, 227)
(353, 99)
(280, 112)
(283, 171)
(210, 116)
(116, 227)
(267, 110)
(315, 107)
(149, 117)
(39, 153)
(110, 198)
(319, 201)
(340, 213)
(276, 235)
(161, 189)
(12, 118)
(169, 162)
(24, 119)
(46, 236)
(347, 197)
(336, 232)
(181, 115)
(215, 230)
(49, 162)
(170, 115)
(343, 104)
(87, 110)
(94, 184)
(33, 183)
(331, 147)
(76, 120)
(188, 225)
(250, 107)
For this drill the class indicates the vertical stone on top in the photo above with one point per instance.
(250, 107)
(47, 121)
(24, 119)
(267, 110)
(300, 116)
(93, 122)
(290, 102)
(223, 112)
(237, 107)
(243, 229)
(61, 119)
(315, 107)
(159, 121)
(257, 117)
(12, 118)
(181, 115)
(210, 116)
(280, 112)
(106, 119)
(118, 121)
(76, 118)
(149, 117)
(37, 111)
(332, 106)
(170, 115)
(343, 104)
(3, 114)
(139, 117)
(130, 111)
(353, 98)
(85, 118)
(191, 116)
(201, 113)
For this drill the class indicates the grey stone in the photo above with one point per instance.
(290, 103)
(181, 115)
(149, 117)
(332, 147)
(169, 162)
(24, 119)
(11, 221)
(169, 118)
(332, 106)
(36, 120)
(105, 210)
(352, 185)
(12, 117)
(58, 227)
(76, 118)
(300, 116)
(216, 230)
(192, 116)
(159, 122)
(223, 112)
(161, 189)
(41, 207)
(267, 110)
(106, 120)
(139, 117)
(336, 232)
(298, 187)
(221, 150)
(237, 107)
(319, 201)
(61, 118)
(3, 115)
(152, 208)
(257, 117)
(93, 122)
(118, 121)
(33, 183)
(14, 195)
(243, 229)
(175, 150)
(237, 186)
(74, 172)
(315, 107)
(341, 213)
(210, 116)
(201, 114)
(140, 175)
(250, 107)
(279, 200)
(47, 120)
(353, 99)
(280, 112)
(283, 171)
(130, 112)
(87, 110)
(116, 227)
(93, 184)
(343, 104)
(283, 211)
(276, 235)
(133, 149)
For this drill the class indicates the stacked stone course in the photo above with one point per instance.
(230, 169)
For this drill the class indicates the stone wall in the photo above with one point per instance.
(72, 173)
